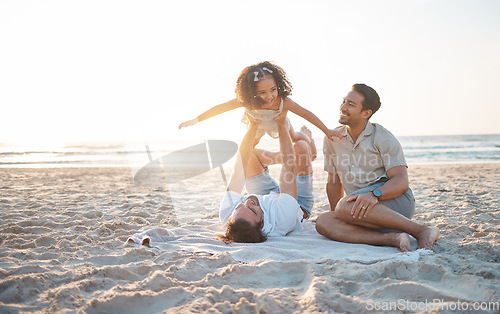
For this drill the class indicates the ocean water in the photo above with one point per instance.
(451, 149)
(418, 150)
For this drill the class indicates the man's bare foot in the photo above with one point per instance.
(314, 152)
(306, 131)
(402, 242)
(427, 238)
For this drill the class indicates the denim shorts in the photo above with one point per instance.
(263, 184)
(403, 204)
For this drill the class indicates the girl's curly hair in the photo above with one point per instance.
(245, 85)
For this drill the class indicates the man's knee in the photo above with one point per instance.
(343, 208)
(302, 156)
(301, 148)
(322, 223)
(326, 224)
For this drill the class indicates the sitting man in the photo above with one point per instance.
(270, 210)
(369, 165)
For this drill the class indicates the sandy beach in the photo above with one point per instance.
(63, 234)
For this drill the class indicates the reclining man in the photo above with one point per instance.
(270, 210)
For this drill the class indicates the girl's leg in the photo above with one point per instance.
(305, 153)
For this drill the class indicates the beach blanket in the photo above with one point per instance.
(305, 245)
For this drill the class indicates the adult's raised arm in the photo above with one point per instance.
(288, 181)
(334, 190)
(237, 181)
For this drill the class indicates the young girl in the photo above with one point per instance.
(263, 90)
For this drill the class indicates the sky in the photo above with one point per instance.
(84, 71)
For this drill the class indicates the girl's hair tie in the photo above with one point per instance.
(256, 79)
(264, 68)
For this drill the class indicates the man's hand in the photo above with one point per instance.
(253, 122)
(281, 118)
(363, 204)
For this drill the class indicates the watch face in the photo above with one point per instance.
(377, 193)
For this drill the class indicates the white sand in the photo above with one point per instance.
(62, 233)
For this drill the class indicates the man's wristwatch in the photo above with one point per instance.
(377, 193)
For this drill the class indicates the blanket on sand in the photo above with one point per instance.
(305, 245)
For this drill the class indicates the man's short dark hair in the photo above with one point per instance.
(372, 99)
(242, 231)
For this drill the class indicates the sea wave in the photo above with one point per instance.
(418, 150)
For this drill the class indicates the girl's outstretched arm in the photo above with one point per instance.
(311, 117)
(212, 112)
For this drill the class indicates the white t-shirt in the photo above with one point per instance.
(282, 213)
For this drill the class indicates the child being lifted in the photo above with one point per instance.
(263, 90)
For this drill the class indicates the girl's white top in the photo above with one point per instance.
(266, 117)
